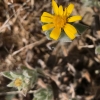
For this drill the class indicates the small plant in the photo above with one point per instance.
(58, 26)
(23, 81)
(43, 94)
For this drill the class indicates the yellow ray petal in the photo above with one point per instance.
(70, 31)
(55, 7)
(74, 18)
(69, 9)
(65, 12)
(45, 14)
(60, 10)
(46, 19)
(55, 33)
(47, 27)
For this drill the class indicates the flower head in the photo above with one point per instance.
(60, 20)
(18, 82)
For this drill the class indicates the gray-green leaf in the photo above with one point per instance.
(97, 50)
(11, 84)
(43, 94)
(7, 75)
(80, 27)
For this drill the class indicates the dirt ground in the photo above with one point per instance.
(73, 68)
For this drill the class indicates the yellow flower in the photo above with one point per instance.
(18, 82)
(60, 20)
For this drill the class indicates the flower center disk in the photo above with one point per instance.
(18, 82)
(59, 21)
